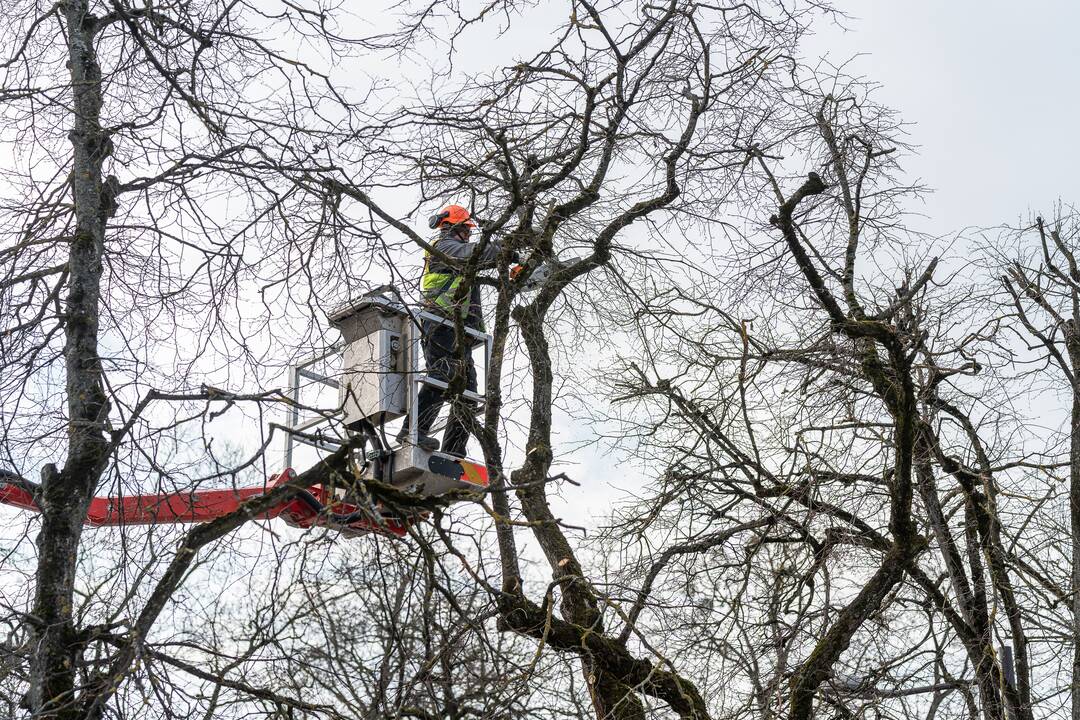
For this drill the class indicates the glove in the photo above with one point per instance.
(515, 271)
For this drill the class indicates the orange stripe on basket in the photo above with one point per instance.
(473, 473)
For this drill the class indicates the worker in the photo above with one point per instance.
(439, 286)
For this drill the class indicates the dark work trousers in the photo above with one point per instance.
(443, 363)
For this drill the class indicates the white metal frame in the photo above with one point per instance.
(416, 378)
(296, 373)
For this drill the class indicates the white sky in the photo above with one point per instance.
(991, 88)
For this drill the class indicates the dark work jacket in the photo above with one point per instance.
(441, 281)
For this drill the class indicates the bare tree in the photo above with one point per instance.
(834, 459)
(842, 515)
(1040, 282)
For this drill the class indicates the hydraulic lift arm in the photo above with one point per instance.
(315, 507)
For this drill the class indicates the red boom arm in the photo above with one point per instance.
(315, 507)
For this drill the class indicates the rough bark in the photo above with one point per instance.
(893, 384)
(66, 494)
(527, 618)
(1074, 524)
(611, 698)
(979, 643)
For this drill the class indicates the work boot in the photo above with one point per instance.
(453, 450)
(424, 442)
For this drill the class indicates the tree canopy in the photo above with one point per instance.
(851, 485)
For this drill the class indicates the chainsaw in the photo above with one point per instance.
(542, 272)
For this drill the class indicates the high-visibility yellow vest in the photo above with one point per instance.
(438, 286)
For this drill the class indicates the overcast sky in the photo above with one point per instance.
(991, 89)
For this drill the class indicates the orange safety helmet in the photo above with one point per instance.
(451, 215)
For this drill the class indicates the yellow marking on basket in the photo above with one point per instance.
(471, 473)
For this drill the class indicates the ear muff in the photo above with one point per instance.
(434, 220)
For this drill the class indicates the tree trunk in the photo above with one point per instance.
(980, 650)
(611, 699)
(66, 494)
(1074, 520)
